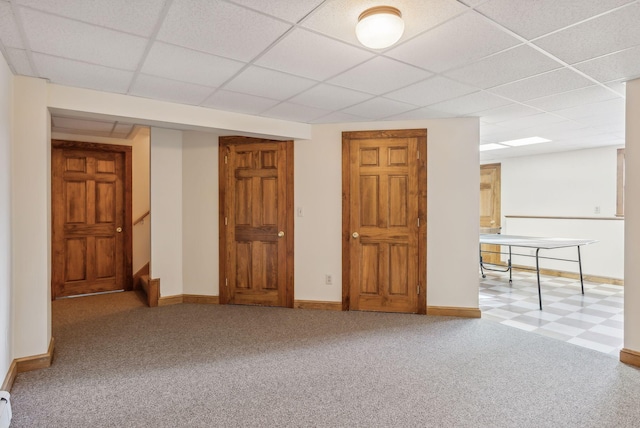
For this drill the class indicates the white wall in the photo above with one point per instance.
(200, 213)
(141, 199)
(452, 210)
(632, 222)
(6, 349)
(166, 210)
(566, 184)
(31, 217)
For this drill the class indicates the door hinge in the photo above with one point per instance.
(418, 221)
(418, 289)
(226, 282)
(418, 155)
(225, 159)
(225, 221)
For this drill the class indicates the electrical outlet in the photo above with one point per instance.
(596, 209)
(328, 279)
(300, 212)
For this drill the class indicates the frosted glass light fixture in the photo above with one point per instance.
(380, 27)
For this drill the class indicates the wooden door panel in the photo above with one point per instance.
(384, 203)
(490, 207)
(90, 184)
(256, 206)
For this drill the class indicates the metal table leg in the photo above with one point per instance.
(509, 265)
(538, 272)
(580, 266)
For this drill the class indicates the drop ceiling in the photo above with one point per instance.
(549, 68)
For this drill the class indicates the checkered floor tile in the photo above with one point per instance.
(593, 320)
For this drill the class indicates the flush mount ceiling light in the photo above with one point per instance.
(380, 27)
(524, 141)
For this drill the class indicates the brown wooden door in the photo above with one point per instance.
(256, 192)
(490, 207)
(91, 218)
(384, 222)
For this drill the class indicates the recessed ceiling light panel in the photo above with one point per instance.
(524, 141)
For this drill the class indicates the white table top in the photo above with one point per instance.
(532, 241)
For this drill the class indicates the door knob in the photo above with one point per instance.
(280, 234)
(119, 230)
(355, 234)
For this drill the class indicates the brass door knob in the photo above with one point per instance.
(280, 234)
(119, 230)
(355, 234)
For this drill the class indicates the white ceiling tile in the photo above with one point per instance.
(329, 97)
(507, 112)
(466, 38)
(620, 65)
(608, 33)
(472, 103)
(373, 76)
(338, 18)
(292, 11)
(9, 33)
(378, 108)
(514, 64)
(268, 83)
(618, 86)
(590, 94)
(488, 129)
(473, 2)
(135, 17)
(169, 90)
(421, 113)
(532, 19)
(174, 62)
(311, 55)
(20, 61)
(65, 38)
(220, 28)
(596, 113)
(241, 103)
(549, 83)
(338, 117)
(295, 112)
(82, 124)
(73, 73)
(531, 121)
(431, 91)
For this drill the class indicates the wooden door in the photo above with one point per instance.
(256, 221)
(91, 218)
(384, 221)
(490, 207)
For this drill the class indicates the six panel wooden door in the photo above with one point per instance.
(89, 217)
(384, 245)
(257, 230)
(490, 207)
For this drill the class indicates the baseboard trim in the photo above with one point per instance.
(630, 357)
(201, 299)
(10, 377)
(170, 300)
(316, 304)
(36, 362)
(453, 311)
(571, 275)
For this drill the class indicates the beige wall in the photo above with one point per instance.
(166, 209)
(141, 198)
(632, 220)
(31, 219)
(200, 213)
(6, 348)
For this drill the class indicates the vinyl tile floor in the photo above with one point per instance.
(593, 320)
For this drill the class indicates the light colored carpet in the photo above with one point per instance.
(119, 364)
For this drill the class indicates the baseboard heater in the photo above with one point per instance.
(5, 409)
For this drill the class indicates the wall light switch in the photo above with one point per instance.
(300, 212)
